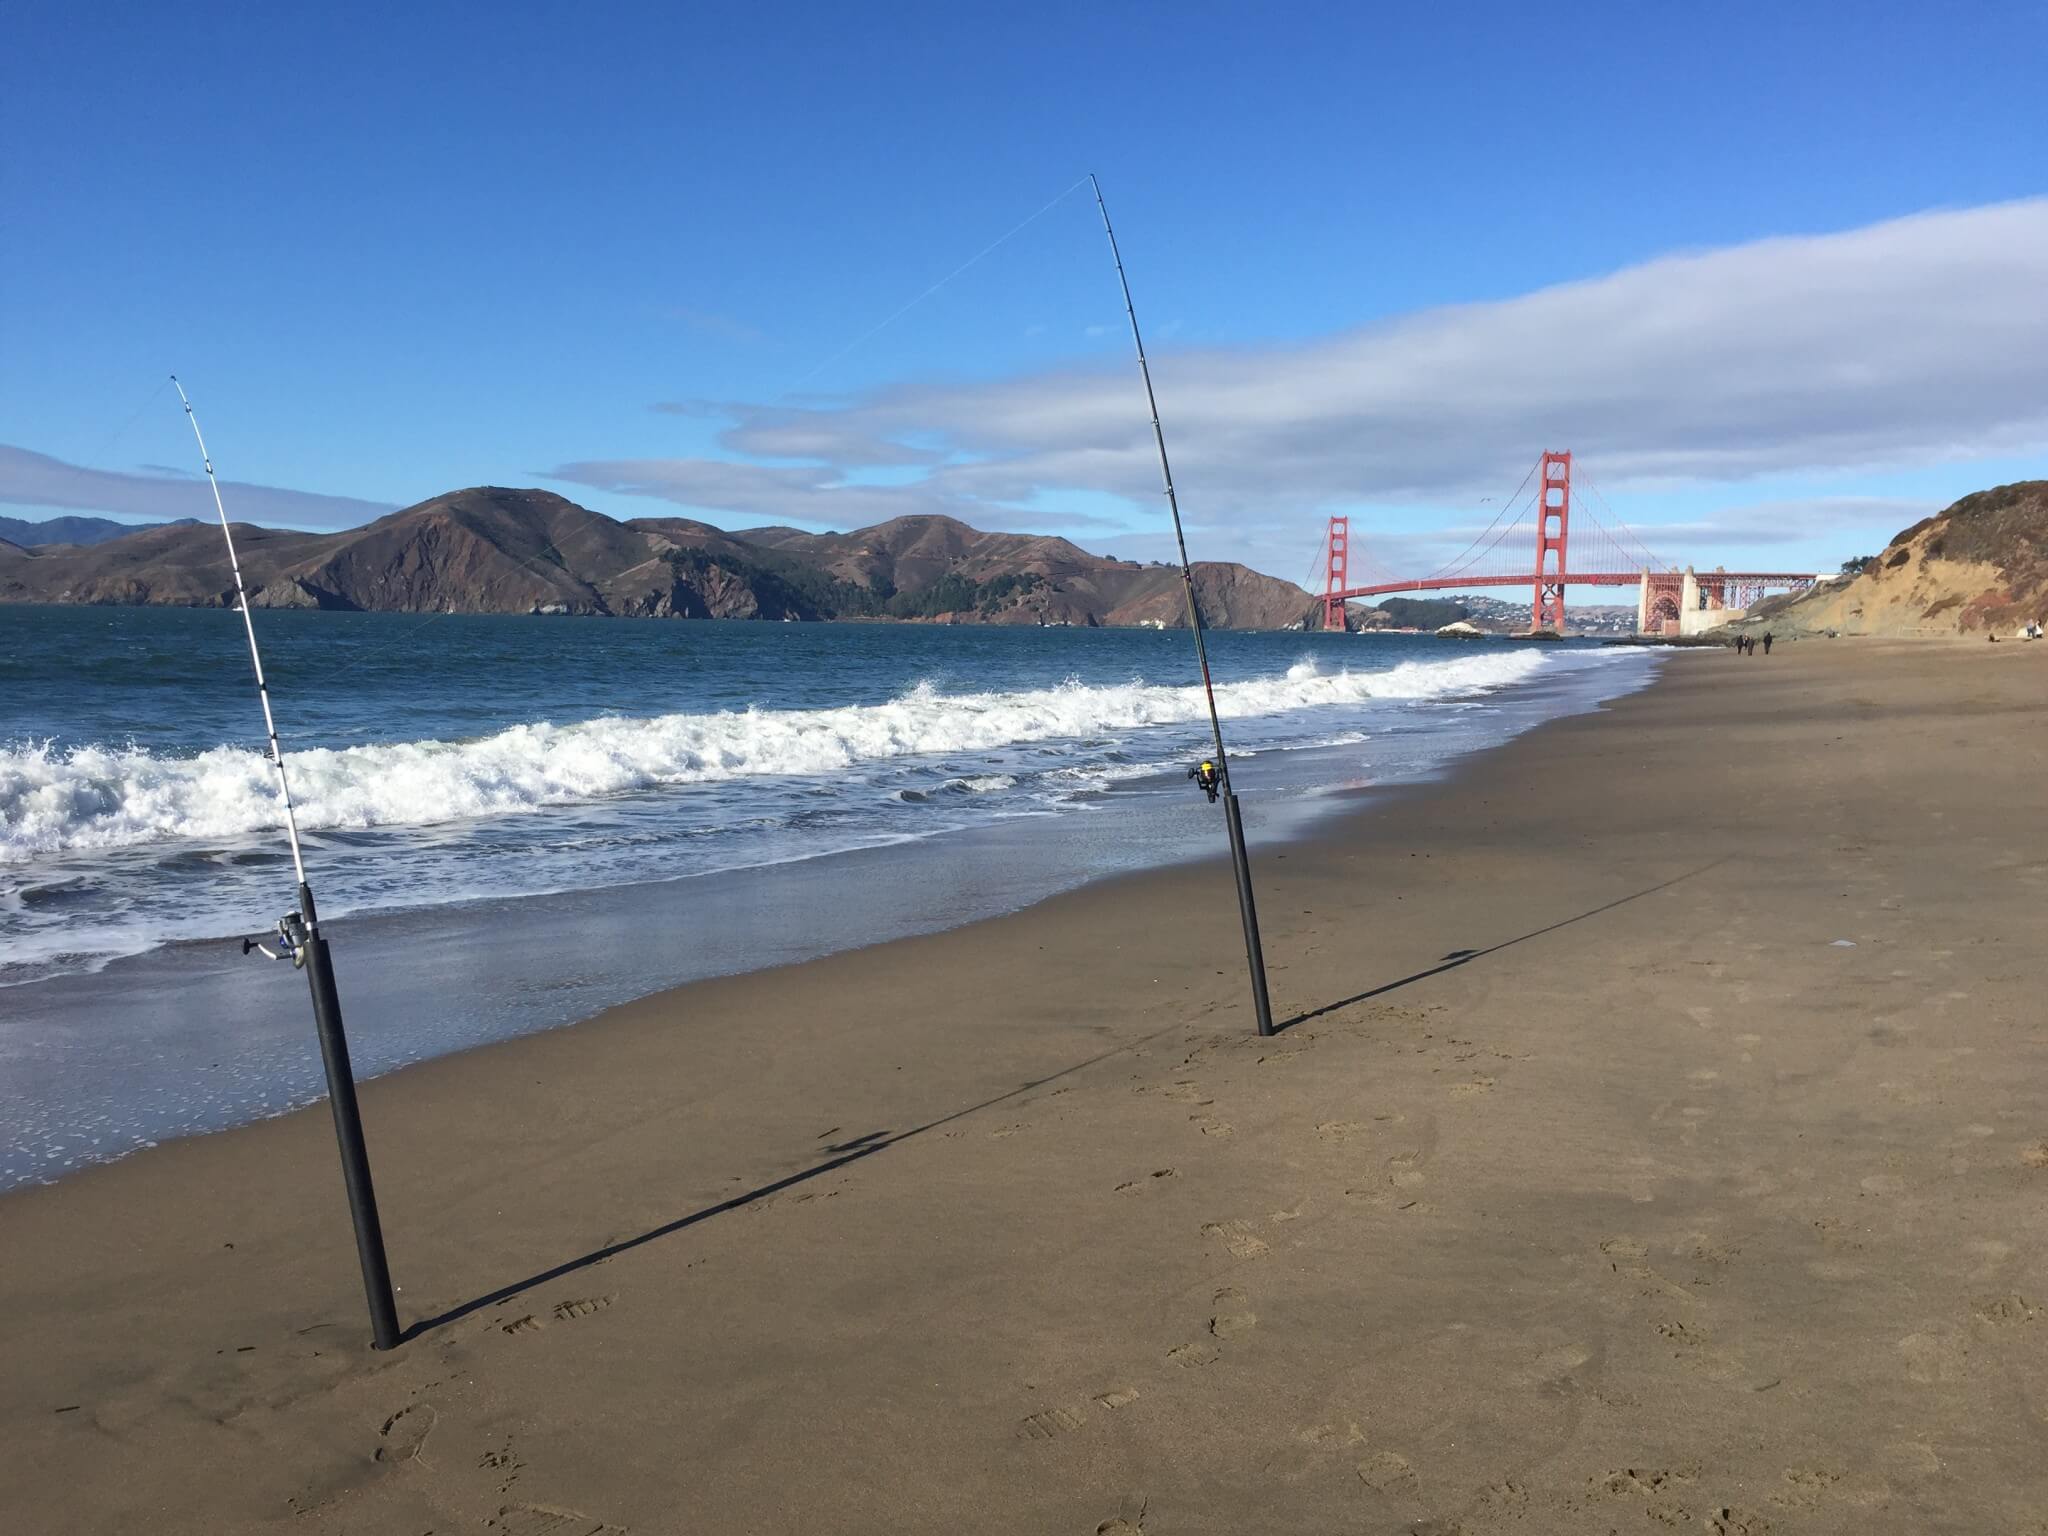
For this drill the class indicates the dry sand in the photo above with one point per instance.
(1597, 1189)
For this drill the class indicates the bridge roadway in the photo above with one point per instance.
(1706, 579)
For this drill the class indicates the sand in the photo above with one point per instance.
(1662, 1144)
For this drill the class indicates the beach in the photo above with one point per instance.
(1658, 1139)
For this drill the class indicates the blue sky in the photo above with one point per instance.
(1386, 255)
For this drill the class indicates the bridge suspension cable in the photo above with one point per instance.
(1473, 553)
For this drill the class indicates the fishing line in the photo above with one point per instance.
(107, 448)
(852, 346)
(875, 330)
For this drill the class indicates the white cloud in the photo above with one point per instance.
(819, 497)
(31, 479)
(1909, 342)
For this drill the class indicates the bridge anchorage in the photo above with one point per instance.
(1606, 553)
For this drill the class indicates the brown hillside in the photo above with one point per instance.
(1979, 566)
(491, 549)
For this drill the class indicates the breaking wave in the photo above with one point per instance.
(57, 799)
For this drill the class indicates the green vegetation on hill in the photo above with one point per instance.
(1423, 612)
(954, 593)
(786, 586)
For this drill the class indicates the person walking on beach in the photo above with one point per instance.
(1767, 642)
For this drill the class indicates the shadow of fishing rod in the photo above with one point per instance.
(1461, 957)
(843, 1155)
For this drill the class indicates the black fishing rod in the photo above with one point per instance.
(1219, 784)
(299, 940)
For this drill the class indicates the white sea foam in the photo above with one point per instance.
(56, 799)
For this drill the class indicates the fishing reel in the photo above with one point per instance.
(1207, 778)
(291, 941)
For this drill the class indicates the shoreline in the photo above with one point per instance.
(210, 1039)
(1592, 1178)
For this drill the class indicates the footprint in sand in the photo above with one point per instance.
(1388, 1473)
(1237, 1237)
(1692, 1347)
(1552, 1370)
(1218, 1128)
(1186, 1092)
(1233, 1316)
(404, 1435)
(1503, 1501)
(1909, 1459)
(1737, 1522)
(1702, 1249)
(1991, 1255)
(2035, 1156)
(1404, 1169)
(1999, 1310)
(540, 1520)
(1129, 1519)
(1805, 1487)
(1477, 1085)
(1189, 1356)
(1933, 1357)
(504, 1461)
(1116, 1397)
(1646, 1481)
(1131, 1185)
(583, 1306)
(1331, 1436)
(1050, 1423)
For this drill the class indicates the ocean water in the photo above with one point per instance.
(506, 805)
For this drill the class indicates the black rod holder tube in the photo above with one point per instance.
(348, 1131)
(1248, 910)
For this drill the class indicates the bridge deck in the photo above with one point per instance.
(1570, 579)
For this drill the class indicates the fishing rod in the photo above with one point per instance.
(1218, 784)
(299, 940)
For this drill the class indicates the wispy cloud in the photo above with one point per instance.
(707, 322)
(1767, 523)
(32, 479)
(1909, 342)
(818, 497)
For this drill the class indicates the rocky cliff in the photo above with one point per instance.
(1980, 565)
(497, 550)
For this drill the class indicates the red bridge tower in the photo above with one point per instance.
(1334, 582)
(1553, 521)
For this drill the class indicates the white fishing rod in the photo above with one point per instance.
(284, 789)
(300, 941)
(1217, 780)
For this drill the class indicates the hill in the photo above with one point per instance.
(491, 549)
(1980, 565)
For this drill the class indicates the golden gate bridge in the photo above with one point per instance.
(1537, 521)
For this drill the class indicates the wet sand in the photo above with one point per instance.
(1595, 1187)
